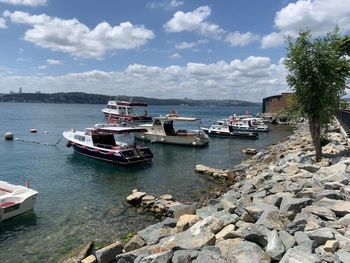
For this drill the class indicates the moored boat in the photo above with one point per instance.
(249, 125)
(15, 200)
(224, 129)
(162, 130)
(99, 143)
(126, 111)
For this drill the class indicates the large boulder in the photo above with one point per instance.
(246, 252)
(275, 246)
(108, 253)
(296, 255)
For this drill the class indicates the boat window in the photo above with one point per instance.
(11, 208)
(103, 140)
(79, 137)
(169, 128)
(87, 132)
(122, 111)
(157, 122)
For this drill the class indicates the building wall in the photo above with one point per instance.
(275, 103)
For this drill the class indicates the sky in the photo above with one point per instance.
(227, 49)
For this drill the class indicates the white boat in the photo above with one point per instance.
(15, 200)
(99, 143)
(224, 129)
(126, 111)
(249, 124)
(162, 131)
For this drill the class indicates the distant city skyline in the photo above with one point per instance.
(163, 49)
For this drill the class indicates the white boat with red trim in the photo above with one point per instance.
(126, 111)
(100, 143)
(15, 200)
(162, 130)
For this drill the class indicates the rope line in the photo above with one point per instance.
(42, 143)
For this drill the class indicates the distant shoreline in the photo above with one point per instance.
(86, 98)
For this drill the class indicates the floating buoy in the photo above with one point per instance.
(46, 132)
(8, 136)
(33, 130)
(249, 151)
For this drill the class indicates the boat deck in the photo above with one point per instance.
(4, 191)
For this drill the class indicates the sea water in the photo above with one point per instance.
(82, 199)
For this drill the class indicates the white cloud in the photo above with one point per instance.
(42, 67)
(54, 62)
(25, 2)
(250, 79)
(2, 23)
(272, 40)
(175, 56)
(320, 16)
(166, 4)
(241, 39)
(194, 22)
(185, 45)
(72, 37)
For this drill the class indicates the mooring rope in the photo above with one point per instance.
(37, 142)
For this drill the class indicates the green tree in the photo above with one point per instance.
(318, 72)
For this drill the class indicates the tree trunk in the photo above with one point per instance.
(315, 130)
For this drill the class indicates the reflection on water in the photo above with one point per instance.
(82, 199)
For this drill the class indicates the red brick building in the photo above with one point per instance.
(275, 103)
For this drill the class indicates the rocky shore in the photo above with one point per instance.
(282, 207)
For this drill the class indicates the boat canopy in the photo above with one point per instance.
(177, 118)
(128, 103)
(119, 130)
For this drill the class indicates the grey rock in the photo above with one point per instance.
(287, 239)
(275, 246)
(226, 245)
(108, 253)
(345, 220)
(135, 242)
(271, 220)
(180, 210)
(333, 186)
(322, 212)
(170, 222)
(294, 204)
(256, 209)
(312, 168)
(324, 255)
(331, 194)
(135, 197)
(321, 235)
(188, 240)
(226, 232)
(184, 256)
(209, 255)
(246, 252)
(295, 255)
(206, 211)
(226, 217)
(208, 224)
(342, 256)
(256, 234)
(153, 233)
(339, 207)
(129, 257)
(304, 242)
(162, 257)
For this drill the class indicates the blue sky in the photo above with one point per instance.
(166, 49)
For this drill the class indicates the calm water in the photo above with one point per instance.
(81, 199)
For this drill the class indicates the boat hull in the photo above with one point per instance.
(112, 158)
(239, 135)
(178, 140)
(9, 210)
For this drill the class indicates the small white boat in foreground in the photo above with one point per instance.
(15, 200)
(162, 131)
(224, 129)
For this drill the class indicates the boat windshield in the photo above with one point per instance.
(138, 111)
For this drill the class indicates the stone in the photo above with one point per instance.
(186, 221)
(246, 252)
(135, 242)
(226, 217)
(322, 212)
(166, 197)
(153, 233)
(291, 168)
(209, 255)
(129, 257)
(226, 232)
(135, 197)
(333, 186)
(208, 224)
(256, 234)
(304, 242)
(188, 240)
(89, 259)
(321, 235)
(206, 211)
(108, 253)
(287, 239)
(226, 245)
(256, 209)
(184, 256)
(294, 204)
(155, 258)
(182, 209)
(342, 256)
(312, 168)
(331, 246)
(169, 222)
(345, 220)
(275, 246)
(271, 220)
(295, 255)
(339, 207)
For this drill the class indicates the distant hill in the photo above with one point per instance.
(85, 98)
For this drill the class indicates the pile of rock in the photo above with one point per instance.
(164, 205)
(227, 175)
(285, 208)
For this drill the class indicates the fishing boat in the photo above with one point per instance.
(224, 129)
(162, 130)
(249, 125)
(126, 111)
(15, 200)
(100, 143)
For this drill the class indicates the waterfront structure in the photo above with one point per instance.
(275, 103)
